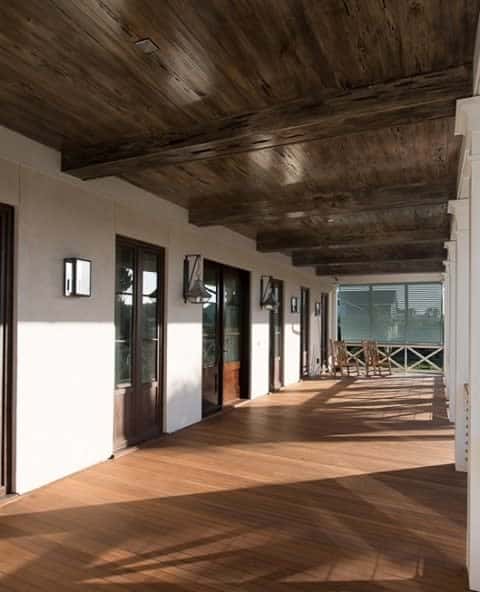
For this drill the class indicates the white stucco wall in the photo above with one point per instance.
(65, 347)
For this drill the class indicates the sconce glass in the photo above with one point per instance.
(294, 304)
(194, 289)
(77, 277)
(268, 298)
(318, 309)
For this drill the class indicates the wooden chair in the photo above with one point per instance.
(341, 359)
(372, 357)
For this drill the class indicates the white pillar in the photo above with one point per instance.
(467, 123)
(460, 210)
(446, 320)
(450, 322)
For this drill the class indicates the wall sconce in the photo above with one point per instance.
(294, 304)
(268, 299)
(194, 289)
(77, 277)
(318, 309)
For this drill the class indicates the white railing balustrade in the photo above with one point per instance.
(418, 357)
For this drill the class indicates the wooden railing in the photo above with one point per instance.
(406, 357)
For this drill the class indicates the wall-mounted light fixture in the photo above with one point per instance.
(194, 289)
(318, 309)
(268, 298)
(294, 304)
(77, 277)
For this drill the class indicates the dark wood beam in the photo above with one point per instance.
(327, 203)
(373, 267)
(347, 256)
(291, 241)
(389, 104)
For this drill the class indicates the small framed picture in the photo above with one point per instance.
(294, 304)
(318, 309)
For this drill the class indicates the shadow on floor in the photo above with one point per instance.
(396, 530)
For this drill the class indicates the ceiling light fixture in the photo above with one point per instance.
(146, 45)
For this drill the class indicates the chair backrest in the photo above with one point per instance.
(370, 352)
(340, 353)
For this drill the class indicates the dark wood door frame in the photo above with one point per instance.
(304, 332)
(278, 284)
(324, 328)
(246, 349)
(136, 382)
(6, 347)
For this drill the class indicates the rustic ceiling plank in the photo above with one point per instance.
(291, 241)
(383, 105)
(410, 252)
(326, 203)
(372, 267)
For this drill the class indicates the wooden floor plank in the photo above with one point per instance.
(330, 485)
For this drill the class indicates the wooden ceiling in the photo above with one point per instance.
(321, 129)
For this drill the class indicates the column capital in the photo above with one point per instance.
(460, 210)
(467, 124)
(451, 247)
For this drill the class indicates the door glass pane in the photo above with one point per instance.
(124, 285)
(123, 338)
(425, 317)
(150, 273)
(149, 317)
(232, 317)
(124, 271)
(388, 313)
(149, 360)
(209, 314)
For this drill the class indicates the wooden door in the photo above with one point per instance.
(304, 332)
(225, 337)
(324, 321)
(212, 341)
(234, 296)
(276, 339)
(6, 318)
(138, 317)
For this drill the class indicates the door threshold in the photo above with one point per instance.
(8, 498)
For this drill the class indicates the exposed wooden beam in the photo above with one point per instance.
(400, 102)
(373, 267)
(347, 256)
(272, 241)
(327, 203)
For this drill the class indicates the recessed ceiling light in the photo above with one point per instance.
(146, 45)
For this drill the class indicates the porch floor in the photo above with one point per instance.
(328, 486)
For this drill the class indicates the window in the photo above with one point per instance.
(392, 313)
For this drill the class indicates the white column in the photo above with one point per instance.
(450, 321)
(460, 209)
(446, 321)
(468, 124)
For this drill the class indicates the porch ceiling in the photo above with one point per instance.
(322, 129)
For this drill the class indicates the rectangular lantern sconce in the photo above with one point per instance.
(317, 309)
(77, 277)
(294, 304)
(194, 290)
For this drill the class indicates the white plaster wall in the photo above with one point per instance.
(65, 362)
(65, 347)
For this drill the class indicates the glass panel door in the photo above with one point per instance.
(276, 339)
(211, 349)
(304, 332)
(138, 294)
(233, 308)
